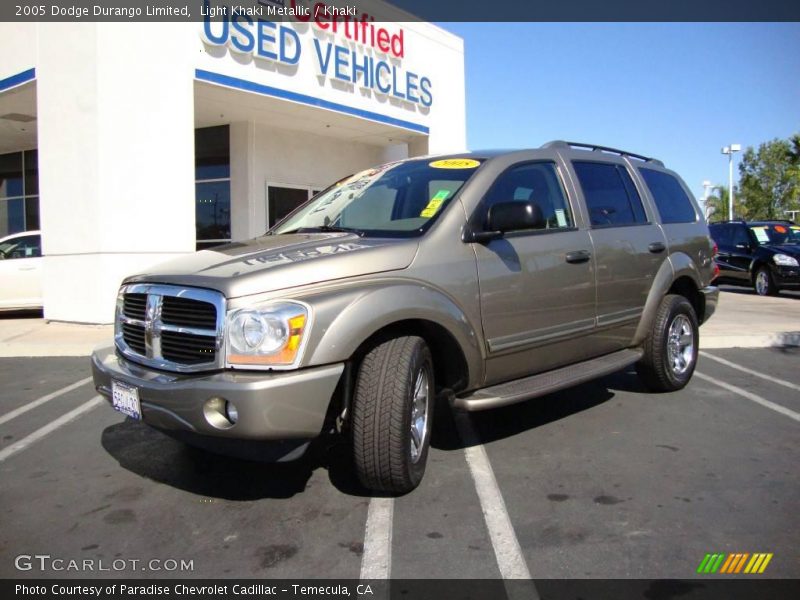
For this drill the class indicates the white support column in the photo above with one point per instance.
(116, 158)
(247, 198)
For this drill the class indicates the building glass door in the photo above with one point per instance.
(283, 199)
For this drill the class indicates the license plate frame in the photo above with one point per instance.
(125, 399)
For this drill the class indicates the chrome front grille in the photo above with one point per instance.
(171, 327)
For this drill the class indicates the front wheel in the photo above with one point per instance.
(670, 351)
(763, 283)
(392, 415)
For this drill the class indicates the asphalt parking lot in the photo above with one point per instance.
(600, 481)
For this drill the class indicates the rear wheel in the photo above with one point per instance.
(670, 351)
(763, 282)
(392, 415)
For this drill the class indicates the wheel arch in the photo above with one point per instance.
(405, 309)
(676, 275)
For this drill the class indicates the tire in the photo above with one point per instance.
(387, 456)
(670, 351)
(763, 283)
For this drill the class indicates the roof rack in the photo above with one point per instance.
(596, 148)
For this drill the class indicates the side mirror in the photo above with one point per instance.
(514, 216)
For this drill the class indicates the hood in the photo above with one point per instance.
(278, 262)
(788, 249)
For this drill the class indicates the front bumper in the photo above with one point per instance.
(786, 277)
(272, 405)
(710, 300)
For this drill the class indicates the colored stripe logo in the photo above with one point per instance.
(737, 562)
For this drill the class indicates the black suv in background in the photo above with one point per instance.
(764, 254)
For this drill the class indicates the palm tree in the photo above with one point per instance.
(717, 204)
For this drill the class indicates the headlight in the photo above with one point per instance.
(784, 260)
(270, 336)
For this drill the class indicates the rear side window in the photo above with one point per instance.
(673, 204)
(721, 234)
(610, 195)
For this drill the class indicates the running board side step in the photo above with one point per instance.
(526, 388)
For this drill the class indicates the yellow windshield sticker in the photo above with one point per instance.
(435, 204)
(455, 163)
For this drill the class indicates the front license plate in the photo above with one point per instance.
(125, 399)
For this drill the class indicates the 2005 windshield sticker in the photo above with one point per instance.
(435, 204)
(455, 163)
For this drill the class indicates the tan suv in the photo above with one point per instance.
(484, 278)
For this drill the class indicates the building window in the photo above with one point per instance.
(212, 153)
(19, 192)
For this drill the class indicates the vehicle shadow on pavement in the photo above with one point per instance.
(151, 454)
(787, 341)
(28, 313)
(508, 421)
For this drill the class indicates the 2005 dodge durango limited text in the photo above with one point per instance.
(484, 278)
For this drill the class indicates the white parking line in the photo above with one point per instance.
(49, 428)
(376, 562)
(39, 401)
(743, 369)
(750, 396)
(507, 550)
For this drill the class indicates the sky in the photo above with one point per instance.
(675, 91)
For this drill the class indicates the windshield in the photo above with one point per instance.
(397, 199)
(777, 234)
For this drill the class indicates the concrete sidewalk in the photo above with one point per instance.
(746, 320)
(742, 320)
(22, 335)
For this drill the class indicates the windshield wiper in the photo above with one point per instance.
(325, 229)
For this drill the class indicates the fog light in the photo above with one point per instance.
(220, 413)
(231, 412)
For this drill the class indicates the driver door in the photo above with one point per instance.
(537, 291)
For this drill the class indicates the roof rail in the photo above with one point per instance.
(596, 148)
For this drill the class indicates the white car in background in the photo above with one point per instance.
(21, 271)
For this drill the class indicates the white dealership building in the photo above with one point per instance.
(129, 143)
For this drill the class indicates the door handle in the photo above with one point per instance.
(656, 247)
(578, 256)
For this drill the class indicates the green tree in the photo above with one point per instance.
(770, 179)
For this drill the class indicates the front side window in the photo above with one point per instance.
(610, 195)
(397, 199)
(671, 199)
(29, 246)
(538, 183)
(739, 236)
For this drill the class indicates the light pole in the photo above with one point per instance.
(729, 150)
